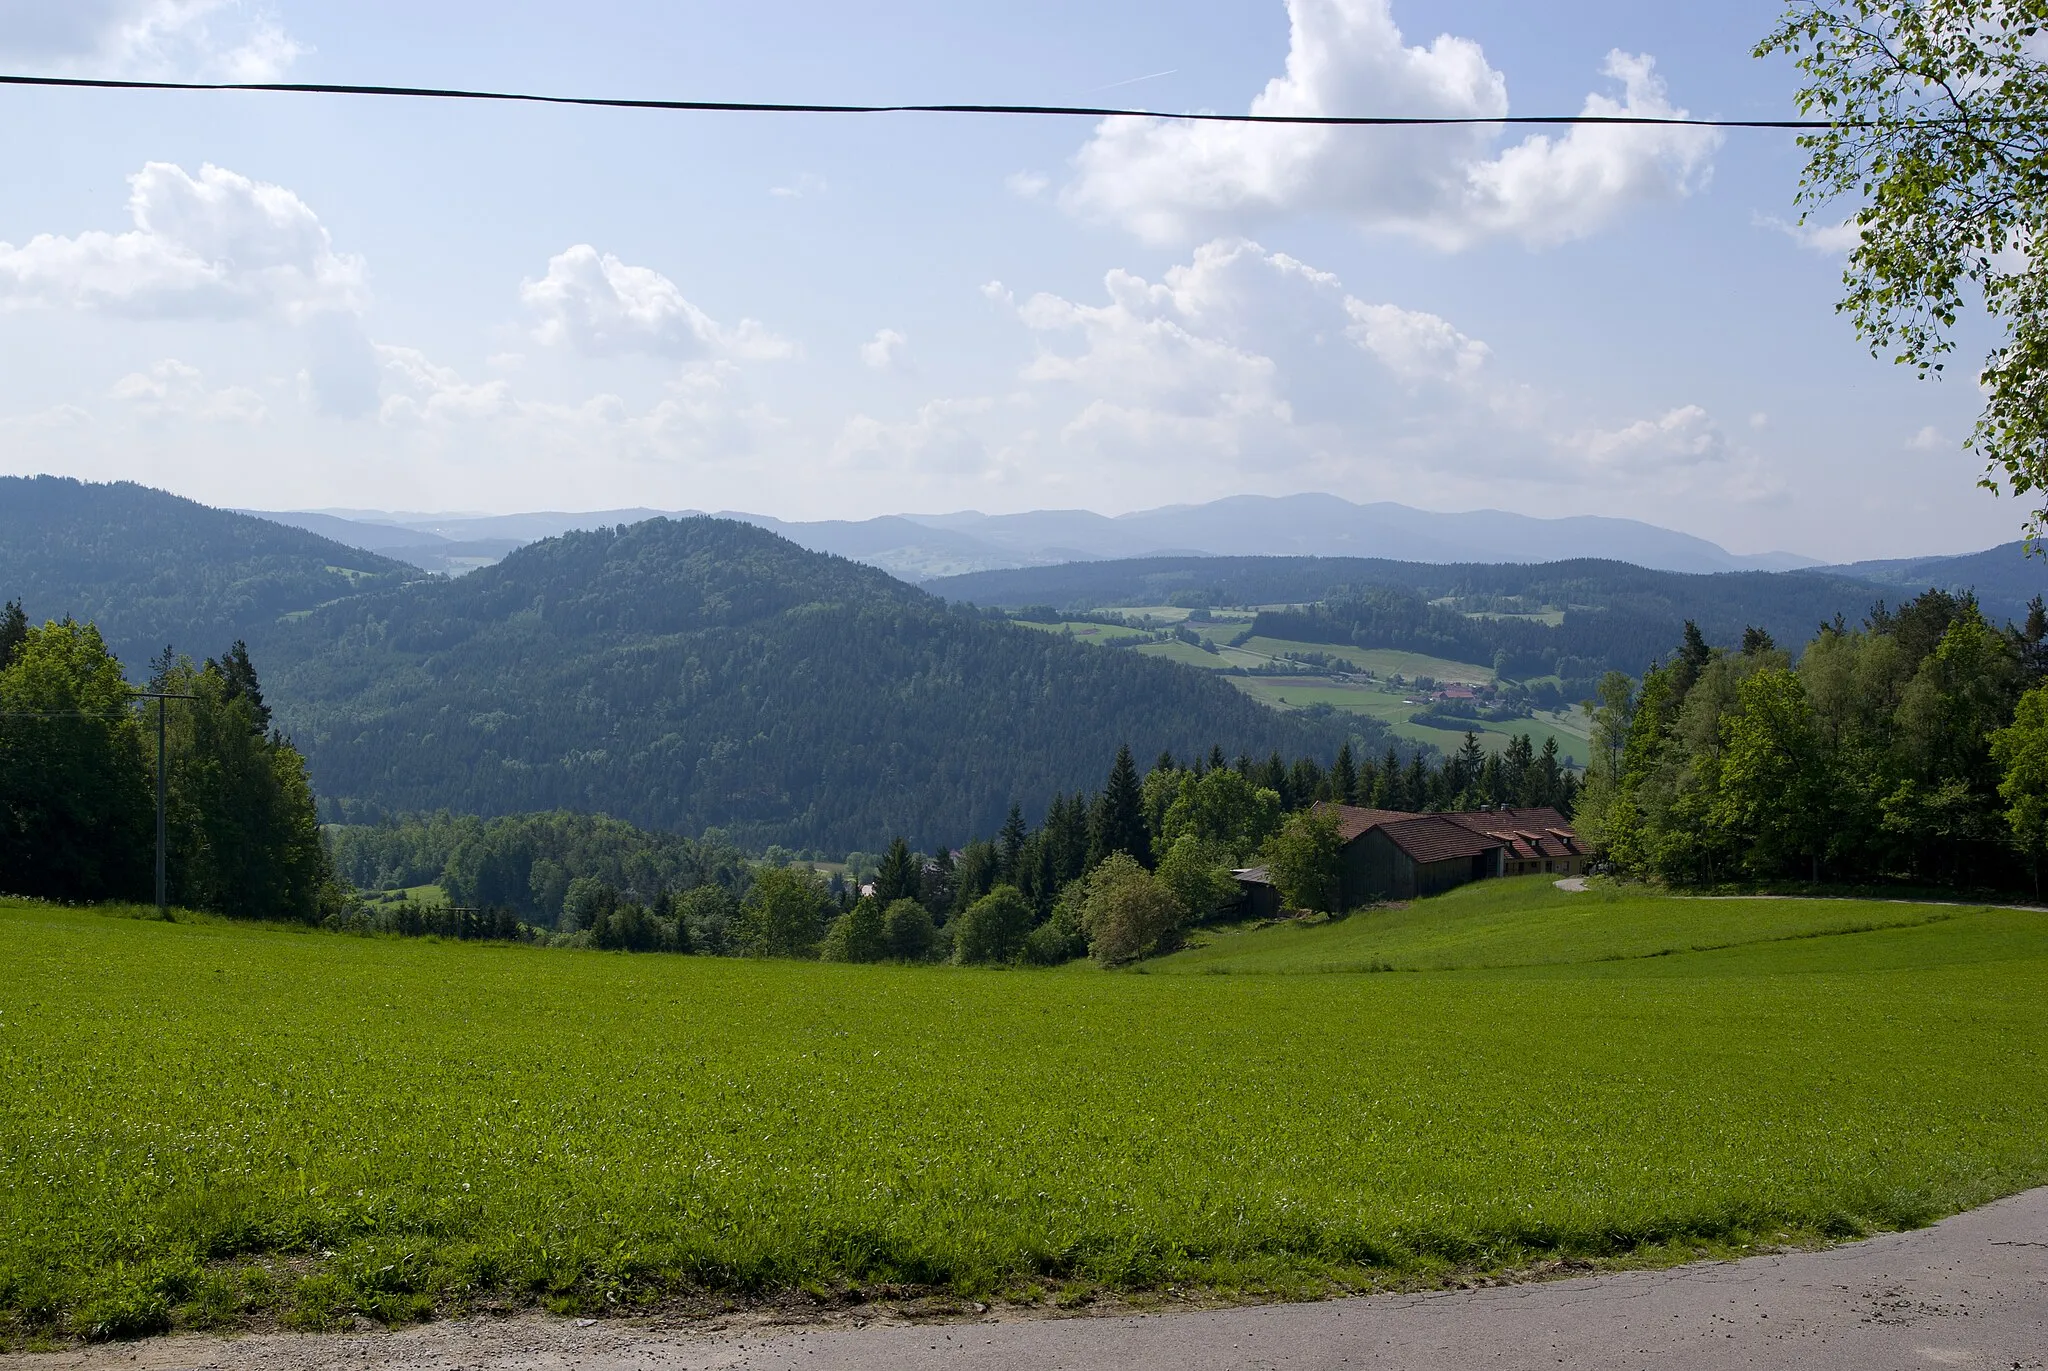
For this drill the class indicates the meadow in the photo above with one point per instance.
(205, 1124)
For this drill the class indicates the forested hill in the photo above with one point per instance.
(152, 569)
(1614, 615)
(698, 673)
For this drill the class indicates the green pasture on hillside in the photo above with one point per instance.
(1526, 921)
(1087, 632)
(1398, 713)
(203, 1124)
(1384, 662)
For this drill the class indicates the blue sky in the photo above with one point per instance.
(279, 302)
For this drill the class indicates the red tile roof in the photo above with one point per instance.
(1353, 822)
(1435, 838)
(1527, 834)
(1530, 834)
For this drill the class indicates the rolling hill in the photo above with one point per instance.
(1573, 619)
(152, 569)
(697, 673)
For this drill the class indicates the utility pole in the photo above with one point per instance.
(162, 791)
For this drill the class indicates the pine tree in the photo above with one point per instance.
(1547, 786)
(1518, 770)
(1415, 786)
(240, 677)
(1119, 818)
(897, 879)
(14, 631)
(1011, 844)
(1344, 778)
(1391, 794)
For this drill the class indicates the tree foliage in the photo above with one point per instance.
(77, 783)
(1940, 140)
(1889, 751)
(1304, 860)
(1128, 914)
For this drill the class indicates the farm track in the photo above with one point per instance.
(1969, 1292)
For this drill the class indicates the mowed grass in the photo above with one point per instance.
(1526, 921)
(202, 1124)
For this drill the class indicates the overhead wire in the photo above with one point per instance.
(811, 107)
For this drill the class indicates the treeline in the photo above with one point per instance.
(78, 781)
(1912, 747)
(531, 864)
(1116, 874)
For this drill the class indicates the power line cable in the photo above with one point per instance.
(1072, 111)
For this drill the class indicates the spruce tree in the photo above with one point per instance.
(898, 877)
(1344, 778)
(1011, 845)
(14, 631)
(1120, 814)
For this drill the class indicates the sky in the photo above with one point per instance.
(271, 301)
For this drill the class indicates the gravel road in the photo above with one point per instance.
(1969, 1292)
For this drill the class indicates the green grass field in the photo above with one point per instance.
(206, 1125)
(1298, 692)
(1383, 662)
(1527, 921)
(1087, 632)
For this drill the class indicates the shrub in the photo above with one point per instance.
(908, 930)
(1306, 861)
(706, 917)
(859, 935)
(1060, 939)
(1128, 914)
(1198, 872)
(993, 928)
(783, 913)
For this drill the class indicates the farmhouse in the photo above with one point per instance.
(1392, 855)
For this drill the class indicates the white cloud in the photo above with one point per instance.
(230, 40)
(1027, 185)
(1833, 239)
(884, 352)
(806, 186)
(603, 307)
(1244, 368)
(1686, 436)
(218, 246)
(940, 440)
(1928, 439)
(1169, 181)
(1413, 345)
(174, 390)
(417, 391)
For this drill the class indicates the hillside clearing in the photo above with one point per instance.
(204, 1124)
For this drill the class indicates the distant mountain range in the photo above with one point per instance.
(922, 547)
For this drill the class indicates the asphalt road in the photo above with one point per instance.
(1969, 1292)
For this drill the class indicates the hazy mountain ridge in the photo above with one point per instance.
(920, 547)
